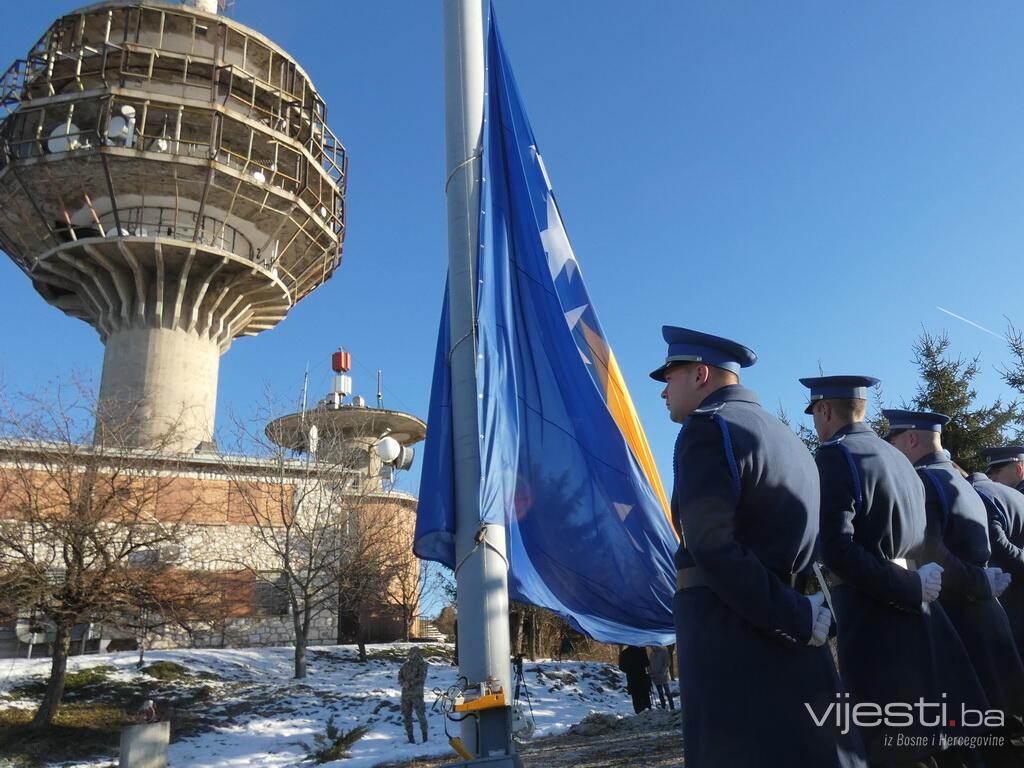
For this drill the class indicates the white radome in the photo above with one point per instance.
(389, 450)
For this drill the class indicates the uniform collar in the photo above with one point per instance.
(857, 427)
(1021, 487)
(977, 477)
(731, 393)
(935, 457)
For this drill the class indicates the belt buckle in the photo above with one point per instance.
(688, 578)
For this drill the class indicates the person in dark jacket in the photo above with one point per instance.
(634, 665)
(895, 643)
(565, 648)
(750, 644)
(958, 540)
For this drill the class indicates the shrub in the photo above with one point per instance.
(336, 743)
(167, 670)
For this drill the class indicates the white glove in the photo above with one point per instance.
(998, 580)
(821, 619)
(931, 581)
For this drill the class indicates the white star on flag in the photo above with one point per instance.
(572, 317)
(556, 243)
(543, 168)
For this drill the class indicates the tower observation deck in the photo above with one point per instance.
(167, 175)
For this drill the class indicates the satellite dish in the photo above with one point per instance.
(405, 459)
(259, 176)
(121, 127)
(30, 629)
(62, 138)
(388, 449)
(159, 144)
(117, 127)
(395, 454)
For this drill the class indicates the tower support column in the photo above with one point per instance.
(159, 388)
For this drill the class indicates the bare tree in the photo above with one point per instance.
(413, 582)
(367, 564)
(294, 534)
(83, 528)
(183, 600)
(320, 532)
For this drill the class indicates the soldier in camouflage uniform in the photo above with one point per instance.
(411, 677)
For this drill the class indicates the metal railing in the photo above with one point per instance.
(169, 222)
(155, 127)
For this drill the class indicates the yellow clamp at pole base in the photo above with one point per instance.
(489, 701)
(460, 747)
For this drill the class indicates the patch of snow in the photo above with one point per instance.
(275, 715)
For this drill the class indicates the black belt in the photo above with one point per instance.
(689, 578)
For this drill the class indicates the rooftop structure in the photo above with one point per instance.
(371, 443)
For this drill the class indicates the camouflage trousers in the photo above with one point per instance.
(414, 701)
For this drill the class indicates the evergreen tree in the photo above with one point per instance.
(876, 419)
(947, 387)
(807, 435)
(1014, 374)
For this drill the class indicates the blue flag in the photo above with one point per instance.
(565, 463)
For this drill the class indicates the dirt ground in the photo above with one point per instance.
(651, 740)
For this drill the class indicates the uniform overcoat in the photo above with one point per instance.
(746, 498)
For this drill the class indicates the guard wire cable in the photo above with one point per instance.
(481, 538)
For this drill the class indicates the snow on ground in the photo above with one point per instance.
(257, 715)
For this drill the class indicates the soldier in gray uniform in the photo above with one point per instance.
(896, 645)
(411, 677)
(1001, 491)
(958, 540)
(751, 645)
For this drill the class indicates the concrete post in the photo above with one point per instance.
(145, 745)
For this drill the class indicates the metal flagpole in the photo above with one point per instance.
(480, 550)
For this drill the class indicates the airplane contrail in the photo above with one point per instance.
(971, 322)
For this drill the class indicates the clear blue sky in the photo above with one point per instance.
(810, 178)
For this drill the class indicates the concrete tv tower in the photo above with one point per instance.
(167, 175)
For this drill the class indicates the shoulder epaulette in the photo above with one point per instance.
(831, 441)
(709, 410)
